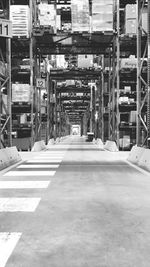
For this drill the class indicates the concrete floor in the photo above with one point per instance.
(94, 213)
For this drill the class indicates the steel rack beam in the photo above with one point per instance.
(82, 74)
(69, 89)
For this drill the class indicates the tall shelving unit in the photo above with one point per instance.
(49, 42)
(136, 100)
(5, 76)
(143, 51)
(41, 43)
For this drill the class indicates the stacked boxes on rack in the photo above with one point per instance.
(19, 15)
(47, 15)
(80, 15)
(145, 19)
(85, 61)
(102, 15)
(130, 19)
(21, 93)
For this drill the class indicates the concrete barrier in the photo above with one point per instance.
(100, 143)
(38, 146)
(51, 141)
(144, 160)
(8, 157)
(94, 141)
(43, 146)
(4, 161)
(111, 146)
(135, 154)
(13, 155)
(57, 140)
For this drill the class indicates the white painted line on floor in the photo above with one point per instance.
(8, 241)
(40, 166)
(19, 204)
(47, 157)
(30, 173)
(45, 161)
(23, 184)
(138, 168)
(53, 153)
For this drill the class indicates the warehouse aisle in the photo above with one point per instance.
(74, 205)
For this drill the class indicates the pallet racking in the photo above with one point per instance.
(5, 76)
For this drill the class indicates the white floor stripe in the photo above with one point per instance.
(47, 157)
(137, 168)
(8, 242)
(19, 204)
(40, 166)
(53, 153)
(45, 161)
(23, 184)
(29, 173)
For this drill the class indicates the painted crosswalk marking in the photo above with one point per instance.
(52, 154)
(8, 241)
(30, 173)
(45, 160)
(18, 204)
(47, 157)
(23, 184)
(40, 166)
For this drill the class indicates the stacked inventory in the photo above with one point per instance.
(131, 19)
(19, 15)
(21, 67)
(127, 101)
(80, 16)
(5, 75)
(102, 15)
(47, 15)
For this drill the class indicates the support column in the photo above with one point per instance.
(148, 79)
(118, 72)
(139, 33)
(31, 77)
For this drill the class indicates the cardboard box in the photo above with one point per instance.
(80, 15)
(21, 92)
(131, 11)
(145, 19)
(133, 116)
(131, 26)
(126, 141)
(20, 17)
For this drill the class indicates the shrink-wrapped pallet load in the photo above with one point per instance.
(80, 15)
(21, 92)
(47, 15)
(130, 19)
(20, 17)
(102, 15)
